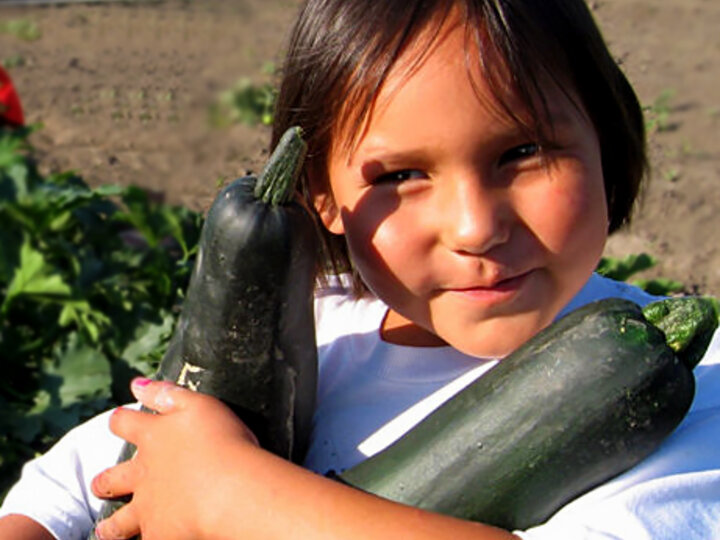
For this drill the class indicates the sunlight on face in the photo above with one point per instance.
(455, 218)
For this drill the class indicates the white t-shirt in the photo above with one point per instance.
(370, 393)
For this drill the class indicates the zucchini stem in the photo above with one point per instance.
(688, 324)
(277, 181)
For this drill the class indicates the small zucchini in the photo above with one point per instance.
(584, 400)
(246, 333)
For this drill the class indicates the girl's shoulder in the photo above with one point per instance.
(339, 311)
(599, 287)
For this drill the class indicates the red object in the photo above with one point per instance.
(10, 108)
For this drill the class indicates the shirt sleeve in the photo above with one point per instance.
(54, 489)
(672, 494)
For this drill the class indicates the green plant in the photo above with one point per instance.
(90, 281)
(24, 29)
(269, 68)
(584, 400)
(672, 175)
(13, 61)
(246, 103)
(622, 269)
(657, 115)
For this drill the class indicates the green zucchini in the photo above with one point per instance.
(246, 333)
(584, 400)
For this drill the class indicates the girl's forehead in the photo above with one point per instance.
(439, 52)
(450, 45)
(447, 50)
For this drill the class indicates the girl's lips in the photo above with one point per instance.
(497, 292)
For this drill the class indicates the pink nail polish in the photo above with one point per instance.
(141, 382)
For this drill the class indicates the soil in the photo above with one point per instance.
(123, 92)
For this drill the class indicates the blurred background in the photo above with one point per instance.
(132, 92)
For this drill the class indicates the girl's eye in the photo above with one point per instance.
(522, 151)
(399, 176)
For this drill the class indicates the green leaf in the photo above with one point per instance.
(622, 269)
(174, 226)
(74, 296)
(73, 195)
(31, 425)
(148, 338)
(35, 277)
(20, 175)
(659, 286)
(89, 320)
(11, 148)
(140, 214)
(84, 373)
(10, 243)
(246, 103)
(60, 221)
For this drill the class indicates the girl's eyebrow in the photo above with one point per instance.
(381, 153)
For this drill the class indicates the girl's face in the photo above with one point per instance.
(451, 215)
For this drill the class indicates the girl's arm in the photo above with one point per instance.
(200, 474)
(17, 527)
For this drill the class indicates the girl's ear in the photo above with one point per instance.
(324, 204)
(328, 212)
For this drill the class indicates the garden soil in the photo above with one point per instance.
(123, 92)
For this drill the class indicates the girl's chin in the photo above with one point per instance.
(497, 339)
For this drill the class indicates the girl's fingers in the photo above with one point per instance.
(119, 526)
(130, 424)
(116, 481)
(160, 396)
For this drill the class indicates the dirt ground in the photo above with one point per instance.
(123, 91)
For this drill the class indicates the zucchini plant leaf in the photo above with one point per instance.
(659, 286)
(10, 243)
(34, 276)
(87, 275)
(620, 269)
(82, 372)
(150, 336)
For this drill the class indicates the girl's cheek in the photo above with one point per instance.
(370, 227)
(571, 212)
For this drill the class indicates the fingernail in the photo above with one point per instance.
(140, 382)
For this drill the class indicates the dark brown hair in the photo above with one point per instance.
(341, 51)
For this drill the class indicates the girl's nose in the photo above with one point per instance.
(475, 218)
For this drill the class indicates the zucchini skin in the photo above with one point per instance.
(246, 333)
(584, 400)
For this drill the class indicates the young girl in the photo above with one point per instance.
(467, 160)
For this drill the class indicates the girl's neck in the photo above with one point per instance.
(398, 330)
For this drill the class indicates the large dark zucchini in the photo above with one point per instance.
(581, 402)
(246, 332)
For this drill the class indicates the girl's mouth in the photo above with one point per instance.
(499, 291)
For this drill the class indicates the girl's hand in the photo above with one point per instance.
(180, 451)
(199, 474)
